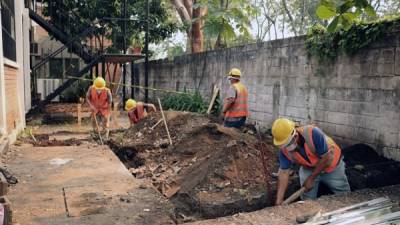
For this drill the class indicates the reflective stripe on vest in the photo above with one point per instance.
(239, 108)
(100, 101)
(309, 148)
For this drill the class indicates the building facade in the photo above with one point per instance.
(15, 99)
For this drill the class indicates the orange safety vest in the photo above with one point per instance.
(239, 108)
(333, 150)
(100, 101)
(137, 114)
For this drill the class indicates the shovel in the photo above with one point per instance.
(294, 196)
(98, 129)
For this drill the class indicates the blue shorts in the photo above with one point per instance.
(236, 124)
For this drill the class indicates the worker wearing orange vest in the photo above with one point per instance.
(138, 110)
(317, 154)
(235, 109)
(99, 98)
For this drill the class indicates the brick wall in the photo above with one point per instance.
(356, 99)
(12, 107)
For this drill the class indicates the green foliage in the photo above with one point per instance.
(75, 91)
(191, 102)
(226, 19)
(173, 51)
(343, 13)
(75, 16)
(137, 39)
(327, 46)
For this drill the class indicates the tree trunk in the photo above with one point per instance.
(197, 33)
(194, 32)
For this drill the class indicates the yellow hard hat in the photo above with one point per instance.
(130, 104)
(282, 130)
(235, 72)
(99, 83)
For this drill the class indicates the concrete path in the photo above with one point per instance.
(79, 185)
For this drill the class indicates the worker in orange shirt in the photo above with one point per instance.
(138, 110)
(99, 98)
(235, 110)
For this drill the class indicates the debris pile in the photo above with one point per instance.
(210, 170)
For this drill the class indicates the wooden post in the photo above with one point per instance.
(215, 93)
(165, 122)
(115, 112)
(79, 114)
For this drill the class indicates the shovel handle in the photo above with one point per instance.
(294, 196)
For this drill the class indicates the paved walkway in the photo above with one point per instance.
(79, 185)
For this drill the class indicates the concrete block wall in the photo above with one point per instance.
(355, 99)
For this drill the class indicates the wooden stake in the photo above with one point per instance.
(165, 122)
(79, 114)
(215, 93)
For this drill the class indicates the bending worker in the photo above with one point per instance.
(235, 109)
(138, 110)
(317, 154)
(99, 98)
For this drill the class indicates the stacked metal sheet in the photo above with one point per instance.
(375, 212)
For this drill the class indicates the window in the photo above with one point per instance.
(8, 28)
(56, 68)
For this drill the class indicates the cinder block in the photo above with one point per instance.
(338, 118)
(397, 62)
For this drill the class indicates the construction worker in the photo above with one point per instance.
(138, 110)
(235, 109)
(317, 154)
(99, 98)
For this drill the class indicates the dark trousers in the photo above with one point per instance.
(235, 124)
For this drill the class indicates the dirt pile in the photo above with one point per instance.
(151, 133)
(210, 170)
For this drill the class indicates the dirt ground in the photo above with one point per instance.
(209, 171)
(78, 184)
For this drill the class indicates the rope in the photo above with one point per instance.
(135, 86)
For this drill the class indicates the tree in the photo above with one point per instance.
(191, 20)
(226, 20)
(343, 13)
(74, 16)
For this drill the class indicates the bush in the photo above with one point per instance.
(191, 102)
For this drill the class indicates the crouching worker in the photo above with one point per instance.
(317, 154)
(99, 98)
(235, 110)
(138, 110)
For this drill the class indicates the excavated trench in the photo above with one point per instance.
(212, 177)
(364, 168)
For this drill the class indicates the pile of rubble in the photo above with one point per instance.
(209, 171)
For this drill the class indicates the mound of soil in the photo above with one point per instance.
(209, 171)
(141, 136)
